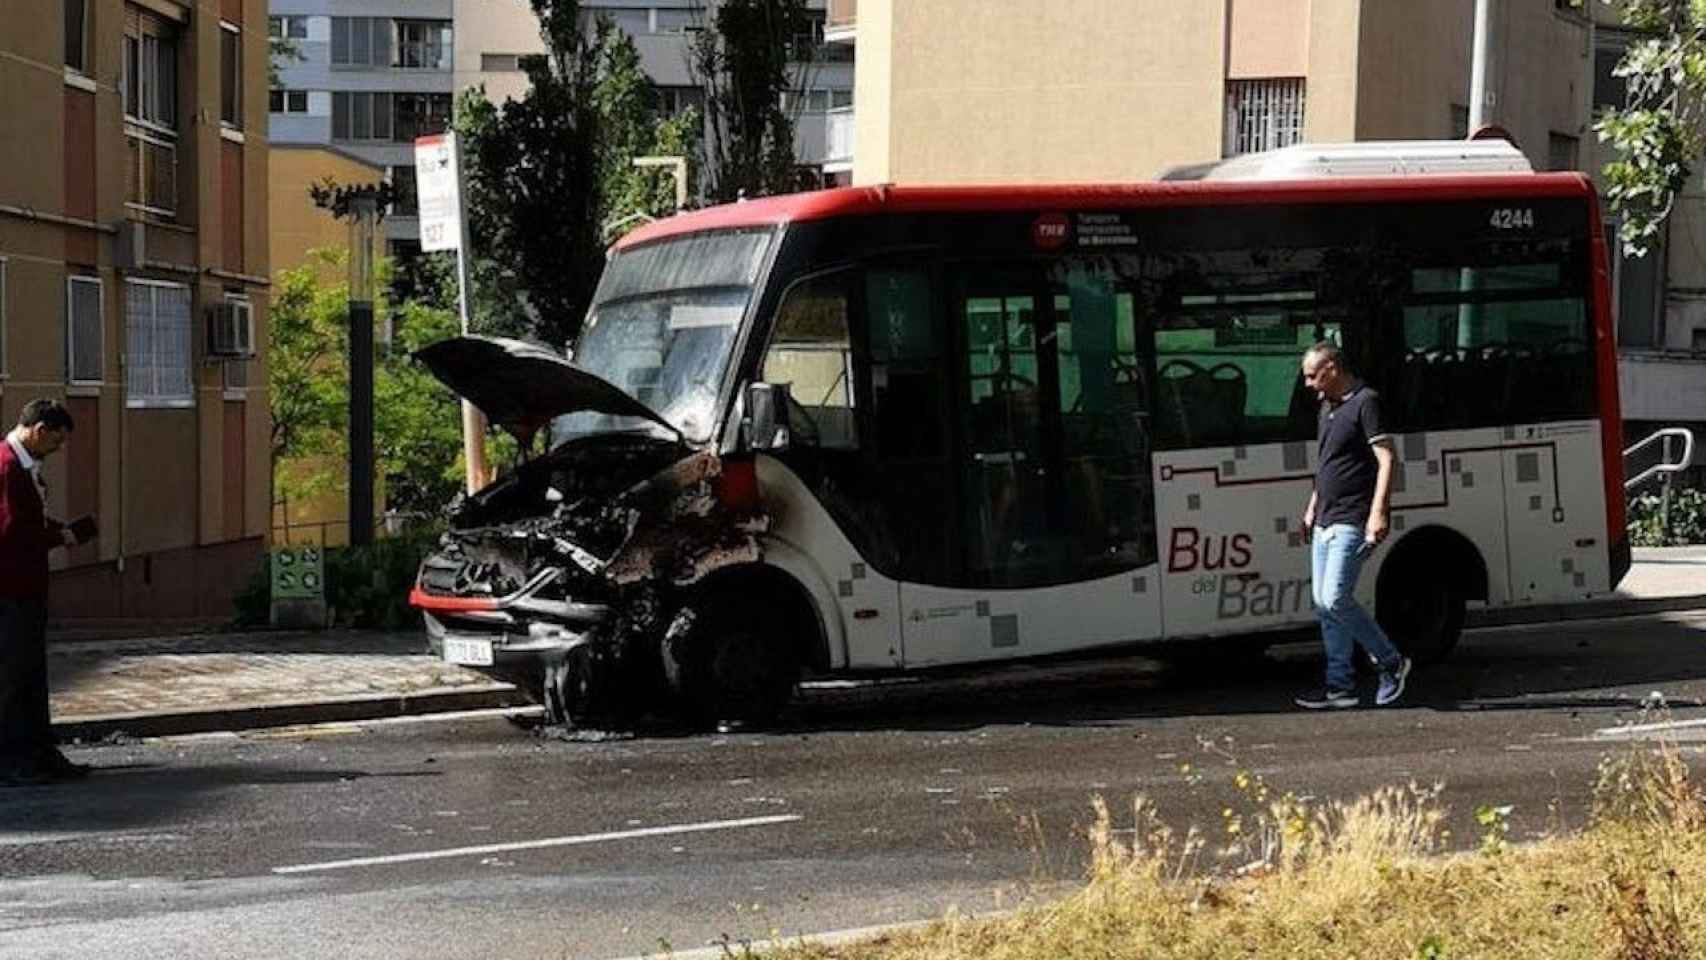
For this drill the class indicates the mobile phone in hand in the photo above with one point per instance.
(84, 528)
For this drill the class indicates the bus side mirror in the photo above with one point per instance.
(766, 416)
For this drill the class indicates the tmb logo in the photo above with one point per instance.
(1050, 231)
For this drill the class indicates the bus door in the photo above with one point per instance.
(1055, 516)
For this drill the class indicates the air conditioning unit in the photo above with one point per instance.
(231, 329)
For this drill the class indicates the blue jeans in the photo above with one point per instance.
(1337, 555)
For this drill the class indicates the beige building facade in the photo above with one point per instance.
(1005, 91)
(298, 226)
(133, 265)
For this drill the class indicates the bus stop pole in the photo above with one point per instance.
(473, 421)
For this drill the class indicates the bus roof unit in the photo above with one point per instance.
(1376, 158)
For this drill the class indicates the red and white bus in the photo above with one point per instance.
(936, 426)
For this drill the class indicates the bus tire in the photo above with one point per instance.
(1423, 588)
(729, 661)
(1422, 615)
(570, 686)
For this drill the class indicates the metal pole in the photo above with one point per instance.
(473, 421)
(1483, 99)
(364, 215)
(1664, 495)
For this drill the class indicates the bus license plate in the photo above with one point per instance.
(474, 653)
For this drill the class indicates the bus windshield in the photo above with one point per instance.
(662, 328)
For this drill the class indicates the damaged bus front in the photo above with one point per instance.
(608, 576)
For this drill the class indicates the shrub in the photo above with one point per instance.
(366, 586)
(1687, 519)
(369, 586)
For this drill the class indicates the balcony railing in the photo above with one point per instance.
(838, 138)
(151, 175)
(840, 20)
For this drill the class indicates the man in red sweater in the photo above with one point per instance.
(27, 534)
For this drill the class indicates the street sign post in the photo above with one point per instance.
(444, 226)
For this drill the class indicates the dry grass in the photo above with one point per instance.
(1363, 880)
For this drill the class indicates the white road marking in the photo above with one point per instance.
(490, 848)
(1649, 728)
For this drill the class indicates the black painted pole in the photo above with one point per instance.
(364, 215)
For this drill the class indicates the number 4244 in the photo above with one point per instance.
(1513, 218)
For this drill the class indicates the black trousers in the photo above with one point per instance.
(25, 730)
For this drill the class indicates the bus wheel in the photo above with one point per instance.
(729, 662)
(1423, 617)
(570, 687)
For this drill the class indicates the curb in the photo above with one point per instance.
(1588, 610)
(93, 727)
(88, 728)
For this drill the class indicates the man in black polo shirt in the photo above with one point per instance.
(1346, 519)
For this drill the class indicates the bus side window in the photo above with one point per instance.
(1497, 344)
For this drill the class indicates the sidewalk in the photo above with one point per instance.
(156, 686)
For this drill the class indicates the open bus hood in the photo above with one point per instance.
(521, 387)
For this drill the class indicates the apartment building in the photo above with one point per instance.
(493, 36)
(970, 91)
(367, 78)
(133, 287)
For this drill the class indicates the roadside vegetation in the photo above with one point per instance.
(1652, 524)
(1283, 876)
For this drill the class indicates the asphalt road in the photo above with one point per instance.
(475, 837)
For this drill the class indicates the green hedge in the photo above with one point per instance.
(1687, 519)
(366, 586)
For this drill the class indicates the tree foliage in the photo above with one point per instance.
(1660, 132)
(417, 425)
(547, 172)
(745, 64)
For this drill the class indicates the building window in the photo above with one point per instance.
(230, 76)
(149, 93)
(1610, 91)
(394, 117)
(287, 28)
(674, 100)
(1459, 122)
(632, 21)
(150, 81)
(158, 344)
(287, 101)
(806, 101)
(361, 42)
(1263, 114)
(84, 339)
(403, 180)
(423, 44)
(500, 62)
(361, 116)
(1561, 151)
(420, 114)
(676, 21)
(76, 35)
(803, 47)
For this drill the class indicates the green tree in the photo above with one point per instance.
(547, 172)
(1660, 133)
(307, 365)
(417, 421)
(746, 63)
(635, 127)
